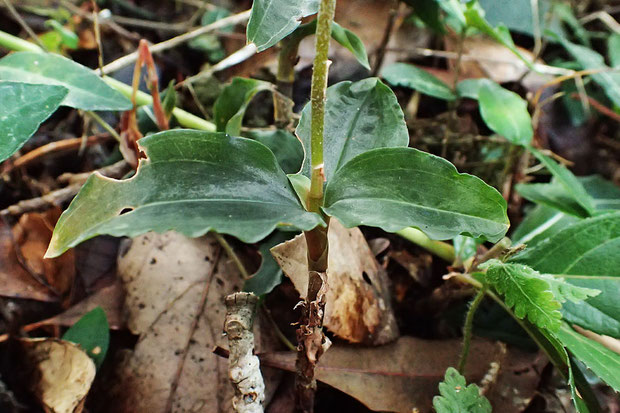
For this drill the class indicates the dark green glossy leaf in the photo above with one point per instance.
(505, 113)
(393, 188)
(269, 274)
(517, 15)
(358, 117)
(232, 103)
(92, 333)
(457, 396)
(526, 291)
(541, 223)
(428, 12)
(192, 182)
(604, 362)
(86, 90)
(586, 254)
(284, 145)
(403, 74)
(273, 20)
(23, 107)
(589, 59)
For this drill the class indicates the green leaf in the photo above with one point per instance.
(562, 291)
(269, 274)
(505, 113)
(565, 193)
(526, 291)
(613, 49)
(68, 38)
(192, 182)
(273, 20)
(86, 90)
(230, 106)
(469, 88)
(358, 117)
(457, 396)
(604, 362)
(605, 195)
(517, 15)
(403, 74)
(92, 333)
(587, 58)
(474, 16)
(554, 195)
(454, 9)
(23, 107)
(465, 247)
(393, 188)
(539, 224)
(428, 12)
(351, 42)
(586, 254)
(284, 145)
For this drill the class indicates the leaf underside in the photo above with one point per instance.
(192, 182)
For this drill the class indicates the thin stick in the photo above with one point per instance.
(176, 41)
(232, 255)
(23, 24)
(105, 125)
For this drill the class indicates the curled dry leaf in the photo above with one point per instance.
(175, 288)
(23, 271)
(358, 305)
(403, 376)
(61, 374)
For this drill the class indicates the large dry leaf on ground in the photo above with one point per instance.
(61, 374)
(403, 376)
(358, 305)
(175, 289)
(15, 281)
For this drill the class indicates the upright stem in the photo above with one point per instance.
(469, 327)
(311, 342)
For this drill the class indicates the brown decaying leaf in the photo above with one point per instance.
(403, 376)
(358, 305)
(42, 279)
(175, 289)
(61, 374)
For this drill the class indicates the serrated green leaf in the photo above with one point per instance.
(393, 188)
(192, 182)
(358, 117)
(23, 107)
(586, 254)
(604, 362)
(505, 113)
(589, 59)
(92, 333)
(284, 145)
(563, 291)
(351, 42)
(269, 274)
(86, 90)
(273, 20)
(458, 397)
(526, 291)
(230, 106)
(403, 74)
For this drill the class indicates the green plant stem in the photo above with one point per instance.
(105, 125)
(469, 327)
(184, 118)
(232, 255)
(287, 58)
(311, 342)
(441, 249)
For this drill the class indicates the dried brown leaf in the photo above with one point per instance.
(358, 305)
